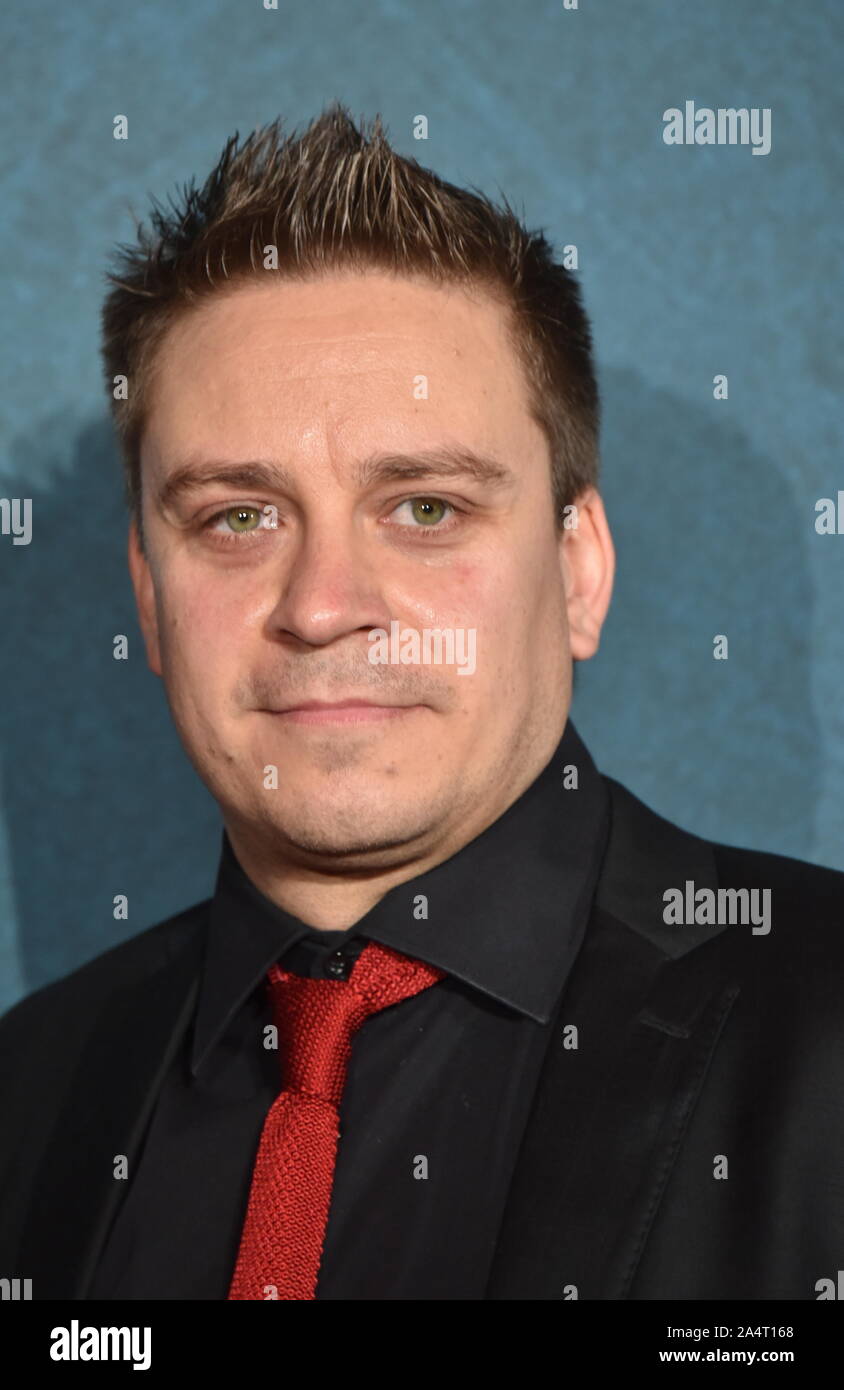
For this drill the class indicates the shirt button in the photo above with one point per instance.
(336, 966)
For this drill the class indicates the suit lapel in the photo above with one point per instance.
(609, 1116)
(120, 1074)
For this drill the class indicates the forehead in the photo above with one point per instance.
(347, 356)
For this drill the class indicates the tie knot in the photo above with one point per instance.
(316, 1018)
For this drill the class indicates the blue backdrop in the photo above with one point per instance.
(695, 261)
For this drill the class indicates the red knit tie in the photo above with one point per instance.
(282, 1238)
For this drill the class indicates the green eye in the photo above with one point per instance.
(243, 518)
(422, 506)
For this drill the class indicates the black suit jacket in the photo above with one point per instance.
(700, 1050)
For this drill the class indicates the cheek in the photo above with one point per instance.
(488, 598)
(201, 630)
(500, 602)
(473, 594)
(519, 612)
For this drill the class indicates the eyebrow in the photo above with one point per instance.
(270, 475)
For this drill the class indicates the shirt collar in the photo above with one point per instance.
(505, 914)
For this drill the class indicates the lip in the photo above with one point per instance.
(342, 712)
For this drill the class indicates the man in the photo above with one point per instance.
(463, 1019)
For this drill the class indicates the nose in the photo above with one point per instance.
(330, 584)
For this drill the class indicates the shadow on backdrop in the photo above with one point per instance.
(710, 540)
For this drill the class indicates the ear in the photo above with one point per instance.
(142, 584)
(587, 563)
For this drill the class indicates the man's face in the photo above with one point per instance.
(247, 620)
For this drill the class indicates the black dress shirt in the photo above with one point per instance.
(438, 1087)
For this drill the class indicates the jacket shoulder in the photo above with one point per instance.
(806, 901)
(648, 855)
(797, 878)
